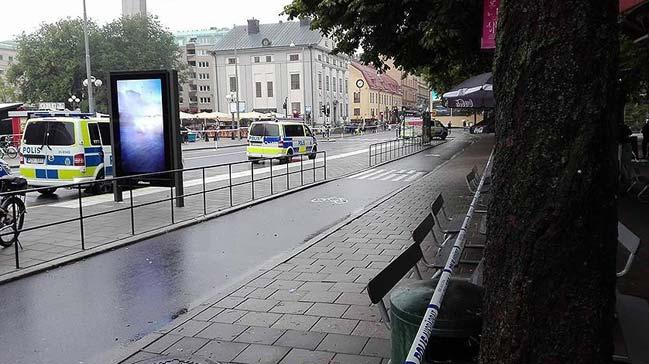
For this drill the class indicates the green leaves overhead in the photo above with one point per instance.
(437, 39)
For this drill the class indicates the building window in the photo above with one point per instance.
(11, 58)
(346, 86)
(258, 89)
(333, 86)
(295, 107)
(320, 108)
(357, 97)
(203, 64)
(340, 85)
(233, 84)
(295, 81)
(269, 59)
(232, 60)
(204, 88)
(1, 57)
(269, 88)
(327, 83)
(319, 81)
(327, 59)
(256, 59)
(294, 57)
(320, 57)
(203, 76)
(357, 111)
(205, 100)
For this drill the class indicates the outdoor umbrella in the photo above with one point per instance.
(474, 93)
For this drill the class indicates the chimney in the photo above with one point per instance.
(253, 26)
(305, 21)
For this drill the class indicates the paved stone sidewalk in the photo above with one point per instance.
(313, 307)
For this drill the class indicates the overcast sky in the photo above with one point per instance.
(27, 15)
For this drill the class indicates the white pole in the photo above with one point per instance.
(91, 98)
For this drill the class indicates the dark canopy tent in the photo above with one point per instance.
(474, 93)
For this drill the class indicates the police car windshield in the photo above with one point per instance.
(264, 130)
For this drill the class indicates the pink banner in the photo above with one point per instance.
(490, 20)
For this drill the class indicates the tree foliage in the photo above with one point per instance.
(437, 39)
(8, 92)
(51, 61)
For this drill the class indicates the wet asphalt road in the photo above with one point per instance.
(210, 157)
(83, 311)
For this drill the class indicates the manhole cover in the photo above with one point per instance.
(331, 200)
(162, 359)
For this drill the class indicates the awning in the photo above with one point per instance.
(474, 93)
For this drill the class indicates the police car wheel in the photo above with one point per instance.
(47, 191)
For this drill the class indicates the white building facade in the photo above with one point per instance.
(278, 64)
(133, 7)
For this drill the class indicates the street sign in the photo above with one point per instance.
(242, 106)
(51, 106)
(360, 83)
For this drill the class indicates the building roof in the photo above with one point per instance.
(8, 44)
(279, 34)
(378, 81)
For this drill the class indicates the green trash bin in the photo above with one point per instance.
(456, 334)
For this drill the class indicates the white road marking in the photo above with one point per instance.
(376, 171)
(362, 173)
(382, 175)
(96, 200)
(400, 178)
(389, 177)
(414, 176)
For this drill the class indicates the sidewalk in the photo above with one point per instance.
(222, 143)
(313, 307)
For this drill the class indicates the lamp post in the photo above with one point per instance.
(74, 102)
(91, 97)
(231, 102)
(94, 82)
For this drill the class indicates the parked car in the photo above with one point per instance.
(440, 110)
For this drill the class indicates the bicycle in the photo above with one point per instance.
(7, 149)
(12, 209)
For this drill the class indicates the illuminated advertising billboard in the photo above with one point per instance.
(142, 118)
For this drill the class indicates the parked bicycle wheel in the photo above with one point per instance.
(11, 208)
(11, 152)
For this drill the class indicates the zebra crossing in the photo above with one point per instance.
(391, 175)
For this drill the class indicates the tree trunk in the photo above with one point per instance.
(550, 257)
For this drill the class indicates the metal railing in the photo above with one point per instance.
(279, 177)
(391, 149)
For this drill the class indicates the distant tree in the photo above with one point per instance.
(437, 39)
(8, 92)
(51, 61)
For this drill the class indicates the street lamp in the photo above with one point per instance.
(91, 97)
(93, 81)
(74, 100)
(232, 100)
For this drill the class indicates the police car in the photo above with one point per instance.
(270, 139)
(59, 150)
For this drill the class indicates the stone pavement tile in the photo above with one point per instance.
(255, 304)
(308, 268)
(336, 269)
(219, 331)
(262, 293)
(326, 297)
(186, 346)
(300, 339)
(316, 286)
(379, 258)
(335, 325)
(295, 322)
(265, 319)
(287, 295)
(341, 250)
(261, 354)
(372, 329)
(190, 328)
(379, 265)
(271, 274)
(348, 287)
(354, 264)
(343, 344)
(353, 299)
(291, 307)
(327, 262)
(341, 277)
(297, 261)
(221, 350)
(260, 282)
(208, 313)
(243, 291)
(365, 313)
(354, 359)
(301, 356)
(228, 316)
(327, 309)
(229, 302)
(139, 356)
(364, 279)
(162, 343)
(285, 284)
(284, 267)
(377, 347)
(366, 271)
(260, 335)
(331, 255)
(312, 277)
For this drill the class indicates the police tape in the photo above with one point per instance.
(418, 347)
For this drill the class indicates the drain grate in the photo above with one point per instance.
(163, 359)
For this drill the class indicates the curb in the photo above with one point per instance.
(71, 258)
(122, 354)
(220, 146)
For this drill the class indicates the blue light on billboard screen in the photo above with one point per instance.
(141, 130)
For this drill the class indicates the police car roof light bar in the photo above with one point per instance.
(72, 114)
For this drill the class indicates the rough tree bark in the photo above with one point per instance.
(550, 257)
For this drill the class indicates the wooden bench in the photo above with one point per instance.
(452, 225)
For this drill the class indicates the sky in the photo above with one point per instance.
(174, 14)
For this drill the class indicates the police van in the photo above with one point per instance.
(283, 139)
(60, 150)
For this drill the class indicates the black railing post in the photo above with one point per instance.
(325, 165)
(171, 199)
(271, 177)
(301, 170)
(204, 198)
(130, 195)
(15, 228)
(370, 162)
(83, 240)
(314, 166)
(288, 182)
(252, 179)
(230, 179)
